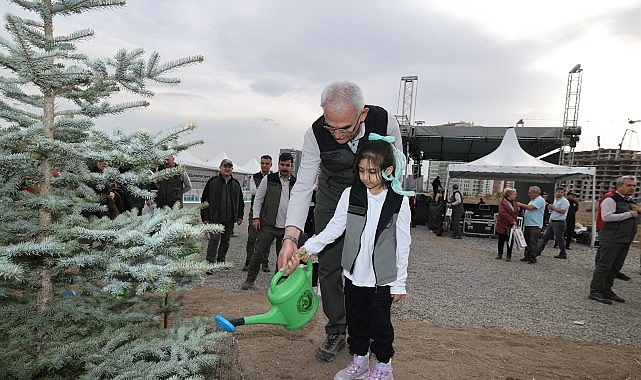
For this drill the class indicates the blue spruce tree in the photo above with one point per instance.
(82, 294)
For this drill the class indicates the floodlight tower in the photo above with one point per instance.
(571, 128)
(405, 117)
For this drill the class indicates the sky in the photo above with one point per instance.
(490, 63)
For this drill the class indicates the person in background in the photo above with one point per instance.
(546, 210)
(456, 204)
(481, 201)
(599, 223)
(309, 231)
(436, 185)
(570, 219)
(620, 215)
(556, 226)
(532, 223)
(329, 150)
(226, 206)
(171, 190)
(270, 213)
(112, 197)
(508, 212)
(439, 196)
(265, 169)
(374, 217)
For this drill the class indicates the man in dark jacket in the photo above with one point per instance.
(171, 190)
(620, 217)
(226, 206)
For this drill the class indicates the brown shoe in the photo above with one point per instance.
(508, 258)
(499, 257)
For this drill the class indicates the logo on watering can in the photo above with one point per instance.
(304, 304)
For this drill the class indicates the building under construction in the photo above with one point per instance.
(610, 164)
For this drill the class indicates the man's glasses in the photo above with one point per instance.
(342, 131)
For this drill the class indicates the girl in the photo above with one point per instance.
(508, 211)
(376, 223)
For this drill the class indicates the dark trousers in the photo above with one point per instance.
(612, 258)
(569, 231)
(504, 238)
(555, 229)
(330, 273)
(456, 223)
(264, 239)
(219, 243)
(369, 324)
(531, 235)
(251, 244)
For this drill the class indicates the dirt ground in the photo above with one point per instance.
(423, 350)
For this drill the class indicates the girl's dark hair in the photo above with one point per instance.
(379, 153)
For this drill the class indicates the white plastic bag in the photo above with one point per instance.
(519, 239)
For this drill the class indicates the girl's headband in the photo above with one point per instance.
(399, 157)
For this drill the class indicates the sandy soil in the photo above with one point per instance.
(423, 350)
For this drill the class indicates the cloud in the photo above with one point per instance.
(266, 62)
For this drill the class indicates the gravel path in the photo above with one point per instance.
(459, 283)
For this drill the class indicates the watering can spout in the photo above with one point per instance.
(294, 303)
(273, 317)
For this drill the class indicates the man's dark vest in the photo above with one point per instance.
(337, 160)
(623, 231)
(459, 208)
(257, 177)
(170, 190)
(269, 209)
(384, 255)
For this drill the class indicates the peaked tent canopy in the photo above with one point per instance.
(510, 162)
(252, 166)
(187, 158)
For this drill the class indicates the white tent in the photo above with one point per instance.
(252, 166)
(216, 160)
(510, 162)
(187, 158)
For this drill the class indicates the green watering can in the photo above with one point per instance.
(294, 303)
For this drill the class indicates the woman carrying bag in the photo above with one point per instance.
(508, 211)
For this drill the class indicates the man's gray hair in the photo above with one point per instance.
(338, 95)
(619, 181)
(536, 189)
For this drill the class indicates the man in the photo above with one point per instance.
(226, 207)
(532, 223)
(599, 223)
(556, 226)
(265, 169)
(620, 217)
(171, 190)
(436, 184)
(270, 214)
(330, 145)
(570, 219)
(456, 204)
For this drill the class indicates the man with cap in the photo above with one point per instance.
(226, 206)
(456, 204)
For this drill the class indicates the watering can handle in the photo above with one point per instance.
(280, 274)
